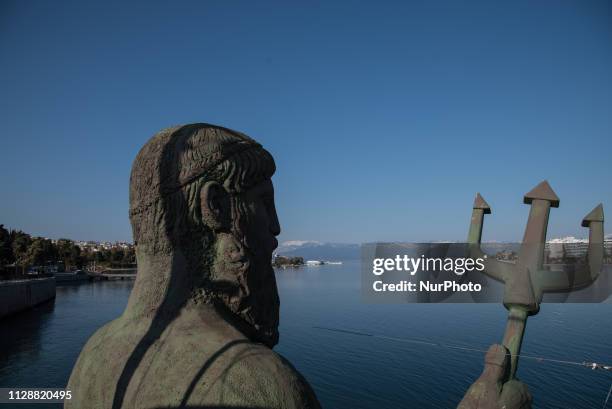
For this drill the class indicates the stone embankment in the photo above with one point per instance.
(19, 295)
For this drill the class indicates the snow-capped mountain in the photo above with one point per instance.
(316, 250)
(300, 243)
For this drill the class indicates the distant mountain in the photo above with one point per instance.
(315, 250)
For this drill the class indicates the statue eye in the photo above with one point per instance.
(268, 201)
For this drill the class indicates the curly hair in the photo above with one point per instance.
(172, 167)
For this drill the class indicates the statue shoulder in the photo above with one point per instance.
(254, 374)
(107, 338)
(99, 362)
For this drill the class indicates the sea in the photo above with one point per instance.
(384, 356)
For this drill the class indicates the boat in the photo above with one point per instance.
(321, 262)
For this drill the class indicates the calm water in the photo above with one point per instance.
(38, 348)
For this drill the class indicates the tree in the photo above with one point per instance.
(86, 257)
(129, 256)
(6, 249)
(116, 256)
(76, 259)
(20, 242)
(41, 252)
(69, 253)
(26, 251)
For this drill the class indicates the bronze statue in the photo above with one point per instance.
(525, 283)
(202, 318)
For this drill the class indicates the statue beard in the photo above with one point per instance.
(243, 280)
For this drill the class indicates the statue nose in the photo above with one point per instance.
(275, 228)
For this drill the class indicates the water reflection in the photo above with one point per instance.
(38, 348)
(22, 337)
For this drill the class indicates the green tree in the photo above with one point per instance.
(69, 253)
(86, 257)
(129, 256)
(6, 249)
(116, 256)
(20, 242)
(41, 252)
(76, 258)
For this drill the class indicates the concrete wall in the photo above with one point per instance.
(18, 295)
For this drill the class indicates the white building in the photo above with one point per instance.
(572, 247)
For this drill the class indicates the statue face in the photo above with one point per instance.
(243, 275)
(263, 225)
(203, 215)
(260, 239)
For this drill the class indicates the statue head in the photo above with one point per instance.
(204, 225)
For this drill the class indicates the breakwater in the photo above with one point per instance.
(18, 295)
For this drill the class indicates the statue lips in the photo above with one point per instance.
(267, 244)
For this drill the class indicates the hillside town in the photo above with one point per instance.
(24, 255)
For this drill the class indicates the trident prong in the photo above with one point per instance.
(526, 280)
(584, 274)
(493, 267)
(594, 221)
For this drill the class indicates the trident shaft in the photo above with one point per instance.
(526, 280)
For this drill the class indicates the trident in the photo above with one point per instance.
(526, 280)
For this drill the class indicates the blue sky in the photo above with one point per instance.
(385, 118)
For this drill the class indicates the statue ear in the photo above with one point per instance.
(215, 206)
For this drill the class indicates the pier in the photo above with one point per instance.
(19, 295)
(115, 274)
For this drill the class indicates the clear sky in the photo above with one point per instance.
(385, 118)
